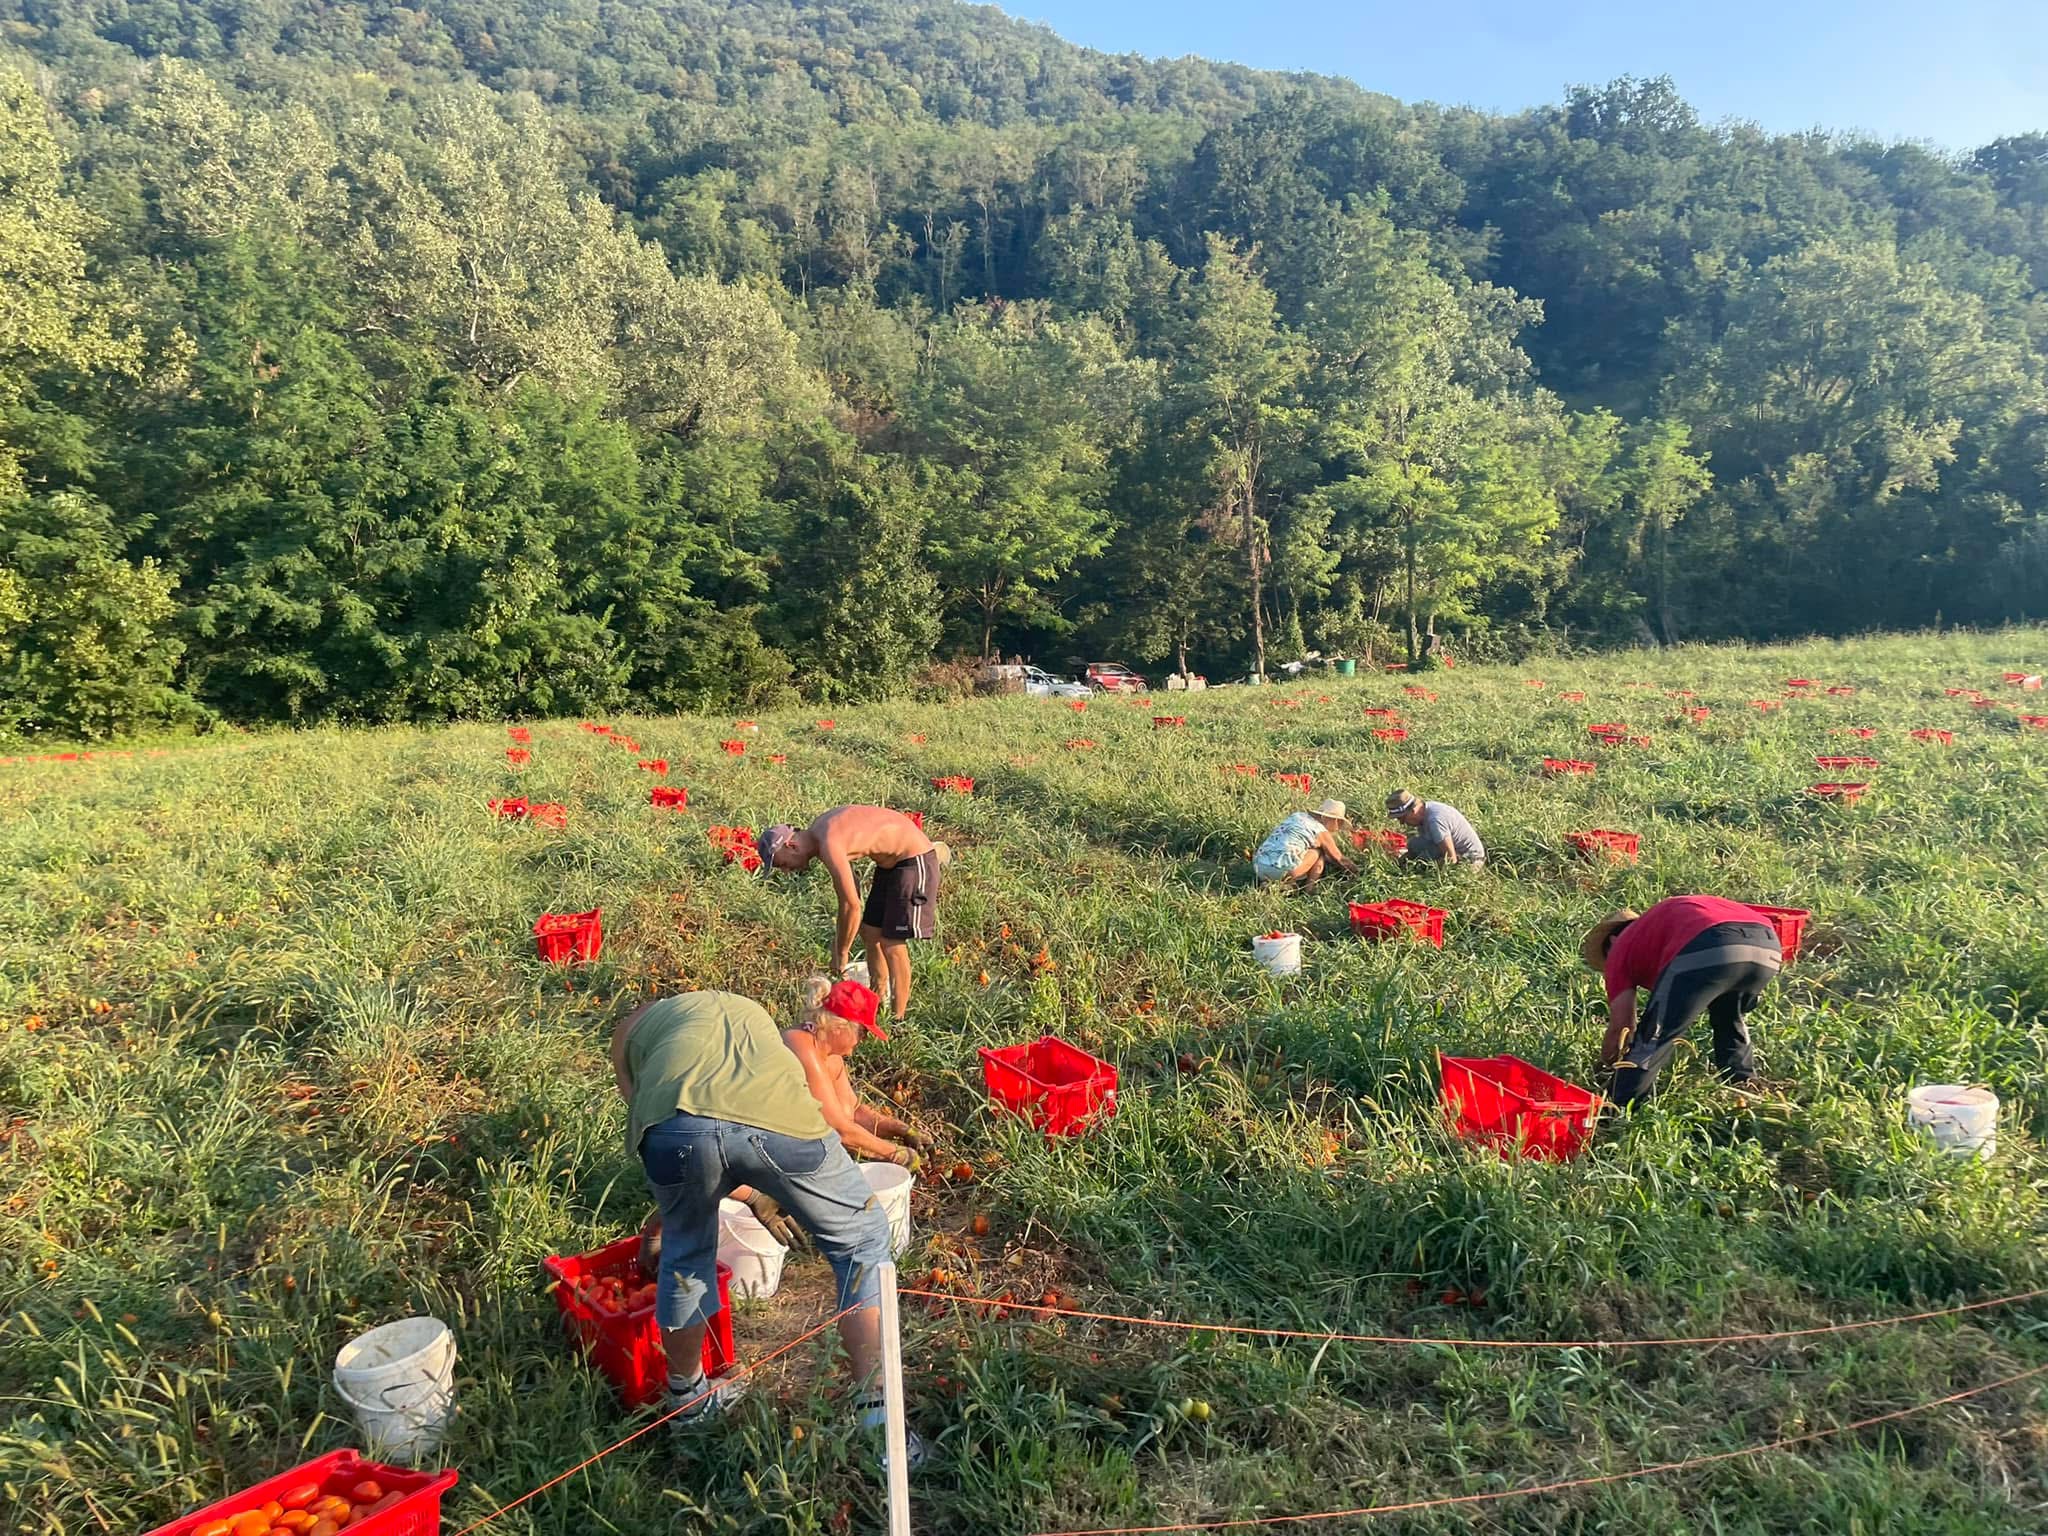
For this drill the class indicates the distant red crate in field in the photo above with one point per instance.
(1765, 706)
(517, 756)
(1385, 919)
(1847, 762)
(565, 938)
(654, 764)
(507, 809)
(1161, 722)
(955, 783)
(1617, 846)
(548, 814)
(1574, 696)
(1080, 744)
(1243, 770)
(1790, 923)
(1300, 781)
(1414, 692)
(1934, 734)
(520, 734)
(1382, 713)
(1555, 766)
(732, 748)
(669, 796)
(1848, 794)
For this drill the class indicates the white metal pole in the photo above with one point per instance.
(894, 1441)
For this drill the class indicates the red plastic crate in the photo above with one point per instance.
(1533, 682)
(417, 1514)
(1245, 770)
(1607, 728)
(1572, 696)
(507, 809)
(517, 756)
(1059, 1088)
(828, 725)
(1615, 845)
(563, 938)
(671, 796)
(732, 748)
(1933, 734)
(1391, 732)
(1300, 781)
(778, 757)
(1848, 794)
(1414, 692)
(1384, 919)
(1077, 705)
(626, 1346)
(1699, 712)
(1798, 682)
(520, 734)
(1847, 762)
(595, 729)
(916, 819)
(1790, 923)
(1516, 1107)
(654, 764)
(1395, 666)
(1766, 705)
(1382, 714)
(1159, 721)
(1367, 837)
(1555, 766)
(958, 783)
(1860, 732)
(1841, 691)
(2035, 722)
(548, 814)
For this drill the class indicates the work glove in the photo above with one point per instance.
(907, 1157)
(781, 1226)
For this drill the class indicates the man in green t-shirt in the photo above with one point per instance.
(717, 1100)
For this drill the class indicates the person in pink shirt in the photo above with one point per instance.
(1691, 955)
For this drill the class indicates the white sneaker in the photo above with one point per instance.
(916, 1452)
(704, 1400)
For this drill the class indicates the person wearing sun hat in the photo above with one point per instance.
(1304, 847)
(1439, 833)
(718, 1101)
(1692, 955)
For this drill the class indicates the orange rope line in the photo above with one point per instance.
(1564, 1484)
(1471, 1343)
(740, 1370)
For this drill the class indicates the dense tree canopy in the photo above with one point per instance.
(392, 361)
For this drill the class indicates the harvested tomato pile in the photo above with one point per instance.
(610, 1293)
(737, 844)
(305, 1511)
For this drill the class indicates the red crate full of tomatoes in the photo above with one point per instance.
(339, 1490)
(607, 1305)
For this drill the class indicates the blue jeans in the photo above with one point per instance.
(693, 1162)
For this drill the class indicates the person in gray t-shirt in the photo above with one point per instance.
(1440, 833)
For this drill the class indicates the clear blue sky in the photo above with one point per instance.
(1958, 74)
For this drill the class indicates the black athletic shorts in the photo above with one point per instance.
(903, 900)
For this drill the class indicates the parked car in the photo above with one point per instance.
(1114, 677)
(1042, 684)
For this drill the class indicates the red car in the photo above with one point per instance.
(1114, 677)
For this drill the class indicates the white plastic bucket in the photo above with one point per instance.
(399, 1380)
(750, 1251)
(1281, 956)
(1962, 1120)
(858, 971)
(891, 1185)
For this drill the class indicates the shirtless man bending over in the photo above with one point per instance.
(903, 895)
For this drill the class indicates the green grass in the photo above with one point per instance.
(300, 1073)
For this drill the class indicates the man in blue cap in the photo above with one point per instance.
(903, 895)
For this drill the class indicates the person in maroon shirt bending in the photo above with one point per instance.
(1693, 955)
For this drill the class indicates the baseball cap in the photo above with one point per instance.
(769, 843)
(856, 1004)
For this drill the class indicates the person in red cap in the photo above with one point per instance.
(719, 1102)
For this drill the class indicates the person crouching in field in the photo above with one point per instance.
(1440, 834)
(717, 1099)
(1304, 847)
(1693, 955)
(903, 894)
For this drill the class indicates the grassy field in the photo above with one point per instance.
(277, 1063)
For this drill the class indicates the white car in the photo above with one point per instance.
(1043, 685)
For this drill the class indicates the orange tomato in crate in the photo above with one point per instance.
(300, 1497)
(368, 1491)
(211, 1528)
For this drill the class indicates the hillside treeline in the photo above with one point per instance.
(377, 362)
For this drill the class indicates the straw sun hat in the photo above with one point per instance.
(1331, 810)
(1594, 950)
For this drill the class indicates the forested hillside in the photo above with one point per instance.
(367, 361)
